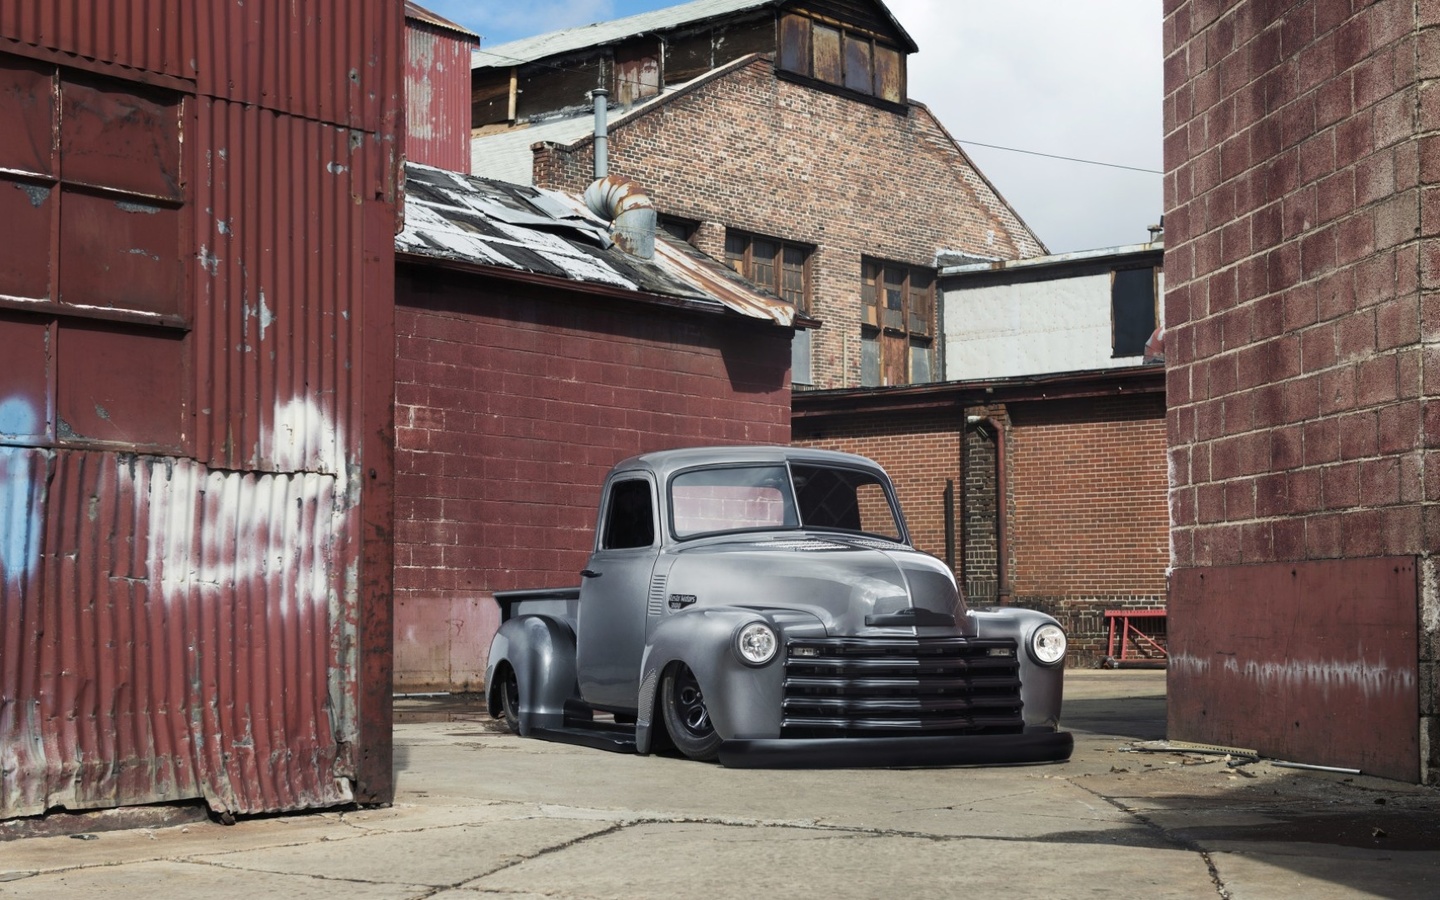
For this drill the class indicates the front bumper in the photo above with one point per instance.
(899, 752)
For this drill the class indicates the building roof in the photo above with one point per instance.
(457, 219)
(419, 13)
(506, 155)
(1056, 261)
(600, 33)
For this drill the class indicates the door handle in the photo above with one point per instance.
(590, 573)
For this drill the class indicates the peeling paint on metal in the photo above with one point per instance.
(130, 207)
(37, 193)
(261, 313)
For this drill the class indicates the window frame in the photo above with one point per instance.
(778, 265)
(880, 320)
(797, 47)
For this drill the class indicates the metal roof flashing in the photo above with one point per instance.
(1056, 259)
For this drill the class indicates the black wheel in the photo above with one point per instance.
(510, 700)
(686, 718)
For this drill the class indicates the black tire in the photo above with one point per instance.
(686, 718)
(509, 689)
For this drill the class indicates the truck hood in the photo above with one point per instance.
(854, 585)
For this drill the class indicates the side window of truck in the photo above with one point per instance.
(629, 517)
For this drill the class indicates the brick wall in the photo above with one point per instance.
(512, 403)
(978, 511)
(920, 452)
(1088, 521)
(1301, 219)
(748, 151)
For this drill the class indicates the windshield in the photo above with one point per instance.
(769, 497)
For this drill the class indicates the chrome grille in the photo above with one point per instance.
(874, 687)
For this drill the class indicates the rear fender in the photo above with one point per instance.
(541, 652)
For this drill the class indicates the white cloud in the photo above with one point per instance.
(1054, 76)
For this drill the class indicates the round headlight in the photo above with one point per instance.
(756, 643)
(1047, 644)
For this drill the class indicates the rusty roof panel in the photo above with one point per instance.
(419, 13)
(460, 218)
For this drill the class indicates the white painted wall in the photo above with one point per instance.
(1036, 328)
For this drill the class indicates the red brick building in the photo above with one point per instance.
(529, 360)
(1082, 528)
(779, 137)
(1301, 230)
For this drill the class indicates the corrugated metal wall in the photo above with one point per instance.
(437, 96)
(195, 501)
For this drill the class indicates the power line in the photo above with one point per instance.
(1088, 162)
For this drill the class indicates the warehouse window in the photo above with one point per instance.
(679, 228)
(780, 267)
(783, 269)
(841, 57)
(1132, 310)
(897, 323)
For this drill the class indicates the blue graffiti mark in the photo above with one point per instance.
(17, 416)
(19, 487)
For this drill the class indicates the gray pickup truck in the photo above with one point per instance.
(764, 606)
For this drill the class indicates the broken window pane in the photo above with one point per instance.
(827, 54)
(857, 64)
(794, 53)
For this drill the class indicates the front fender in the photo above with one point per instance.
(1042, 688)
(743, 700)
(541, 652)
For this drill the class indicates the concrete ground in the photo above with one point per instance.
(479, 812)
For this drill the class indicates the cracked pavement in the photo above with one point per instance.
(482, 813)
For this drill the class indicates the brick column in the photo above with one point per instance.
(1301, 268)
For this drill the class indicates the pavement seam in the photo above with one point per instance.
(1181, 842)
(543, 851)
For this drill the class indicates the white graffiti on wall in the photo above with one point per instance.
(275, 533)
(1373, 679)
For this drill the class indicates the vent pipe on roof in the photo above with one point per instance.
(626, 205)
(602, 140)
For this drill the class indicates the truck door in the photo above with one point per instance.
(610, 627)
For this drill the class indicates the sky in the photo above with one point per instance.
(1057, 77)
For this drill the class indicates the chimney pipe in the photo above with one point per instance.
(602, 140)
(628, 209)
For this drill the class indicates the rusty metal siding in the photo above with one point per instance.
(437, 97)
(202, 611)
(149, 35)
(275, 389)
